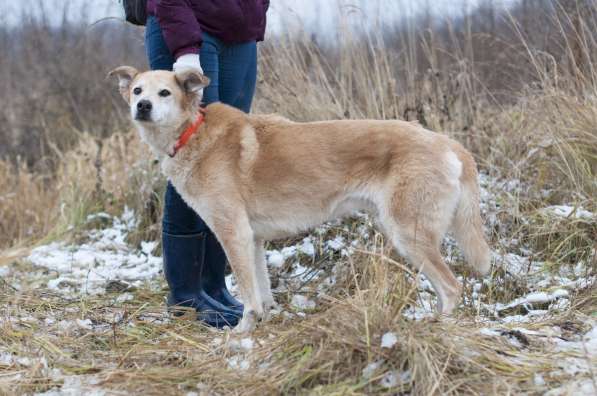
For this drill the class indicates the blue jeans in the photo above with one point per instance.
(232, 70)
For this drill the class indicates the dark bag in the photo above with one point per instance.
(135, 11)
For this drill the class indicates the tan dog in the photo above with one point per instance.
(254, 178)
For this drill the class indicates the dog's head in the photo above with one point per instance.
(161, 102)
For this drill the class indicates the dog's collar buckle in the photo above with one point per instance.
(188, 132)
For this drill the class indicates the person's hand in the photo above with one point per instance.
(187, 61)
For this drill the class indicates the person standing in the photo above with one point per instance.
(218, 38)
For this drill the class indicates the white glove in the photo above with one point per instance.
(187, 61)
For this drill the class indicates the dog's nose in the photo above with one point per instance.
(144, 106)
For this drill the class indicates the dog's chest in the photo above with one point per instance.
(177, 173)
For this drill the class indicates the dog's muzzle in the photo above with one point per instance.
(143, 110)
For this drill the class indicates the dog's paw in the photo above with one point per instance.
(446, 306)
(266, 314)
(267, 306)
(247, 323)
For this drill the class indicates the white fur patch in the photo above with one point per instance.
(249, 145)
(454, 166)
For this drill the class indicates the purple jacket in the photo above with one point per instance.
(232, 21)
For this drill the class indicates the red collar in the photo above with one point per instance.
(187, 133)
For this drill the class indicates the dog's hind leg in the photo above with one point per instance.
(418, 240)
(239, 244)
(425, 256)
(263, 281)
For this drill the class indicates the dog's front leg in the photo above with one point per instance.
(236, 236)
(263, 278)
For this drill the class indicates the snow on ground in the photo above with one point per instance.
(72, 385)
(90, 267)
(76, 385)
(106, 259)
(302, 302)
(388, 340)
(568, 211)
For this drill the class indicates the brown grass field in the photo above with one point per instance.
(80, 194)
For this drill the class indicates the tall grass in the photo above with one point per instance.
(516, 86)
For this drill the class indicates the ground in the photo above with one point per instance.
(86, 314)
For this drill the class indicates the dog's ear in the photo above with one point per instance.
(125, 75)
(191, 81)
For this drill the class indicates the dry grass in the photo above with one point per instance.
(134, 346)
(542, 139)
(37, 206)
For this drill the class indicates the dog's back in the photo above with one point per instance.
(302, 174)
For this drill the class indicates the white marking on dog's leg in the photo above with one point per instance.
(454, 166)
(263, 281)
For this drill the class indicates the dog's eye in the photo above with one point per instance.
(164, 93)
(137, 91)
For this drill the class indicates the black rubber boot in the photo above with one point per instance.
(215, 267)
(183, 268)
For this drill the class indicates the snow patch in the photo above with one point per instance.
(301, 302)
(274, 258)
(85, 324)
(576, 387)
(336, 244)
(307, 247)
(75, 385)
(534, 298)
(568, 211)
(243, 345)
(238, 363)
(388, 340)
(371, 368)
(106, 257)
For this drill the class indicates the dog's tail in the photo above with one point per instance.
(467, 224)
